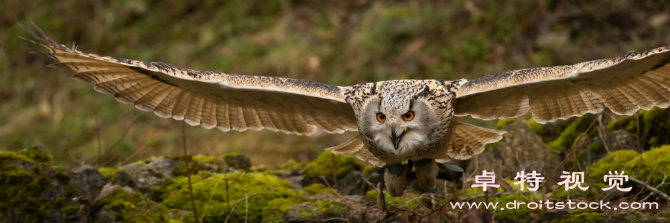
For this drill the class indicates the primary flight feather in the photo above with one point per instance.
(397, 120)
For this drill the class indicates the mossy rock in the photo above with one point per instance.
(327, 163)
(264, 189)
(315, 189)
(614, 161)
(21, 191)
(108, 173)
(125, 205)
(31, 154)
(652, 165)
(502, 123)
(652, 130)
(570, 133)
(238, 161)
(33, 191)
(194, 166)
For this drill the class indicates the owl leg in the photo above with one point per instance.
(426, 172)
(394, 178)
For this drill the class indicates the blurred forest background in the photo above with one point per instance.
(335, 42)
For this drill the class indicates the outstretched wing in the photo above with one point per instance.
(207, 98)
(623, 83)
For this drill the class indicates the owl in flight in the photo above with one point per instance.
(397, 120)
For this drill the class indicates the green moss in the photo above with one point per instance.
(36, 154)
(652, 130)
(536, 127)
(21, 189)
(127, 208)
(587, 217)
(70, 210)
(108, 172)
(60, 202)
(502, 123)
(61, 175)
(195, 166)
(596, 147)
(568, 136)
(520, 214)
(323, 165)
(32, 154)
(562, 194)
(267, 188)
(292, 165)
(232, 161)
(656, 161)
(206, 159)
(319, 189)
(323, 209)
(614, 161)
(410, 201)
(367, 169)
(8, 155)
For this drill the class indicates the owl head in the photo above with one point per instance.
(399, 119)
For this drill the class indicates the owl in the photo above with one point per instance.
(398, 121)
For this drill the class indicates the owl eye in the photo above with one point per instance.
(408, 116)
(381, 117)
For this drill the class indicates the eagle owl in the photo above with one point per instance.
(397, 120)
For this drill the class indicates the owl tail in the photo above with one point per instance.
(468, 140)
(355, 145)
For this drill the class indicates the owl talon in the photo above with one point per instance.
(426, 172)
(394, 178)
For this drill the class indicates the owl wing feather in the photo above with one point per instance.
(207, 98)
(468, 140)
(624, 84)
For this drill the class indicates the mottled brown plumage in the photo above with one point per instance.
(397, 120)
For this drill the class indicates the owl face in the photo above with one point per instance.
(398, 125)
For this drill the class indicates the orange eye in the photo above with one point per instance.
(408, 116)
(381, 117)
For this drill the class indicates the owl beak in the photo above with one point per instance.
(396, 138)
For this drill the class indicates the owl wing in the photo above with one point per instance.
(207, 98)
(623, 83)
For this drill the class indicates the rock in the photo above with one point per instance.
(123, 204)
(142, 176)
(240, 162)
(88, 180)
(520, 150)
(594, 148)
